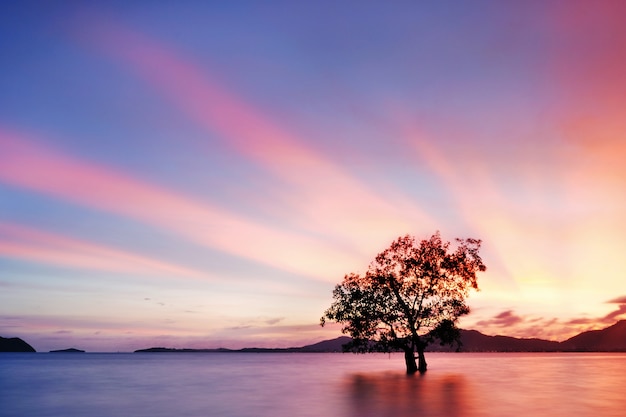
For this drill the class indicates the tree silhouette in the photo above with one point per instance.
(411, 295)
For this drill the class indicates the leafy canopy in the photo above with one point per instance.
(412, 293)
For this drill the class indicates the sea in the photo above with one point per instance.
(311, 384)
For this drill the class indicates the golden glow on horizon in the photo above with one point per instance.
(548, 256)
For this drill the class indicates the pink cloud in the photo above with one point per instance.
(615, 315)
(35, 245)
(25, 164)
(504, 319)
(509, 323)
(324, 196)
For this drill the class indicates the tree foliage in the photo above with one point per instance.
(411, 295)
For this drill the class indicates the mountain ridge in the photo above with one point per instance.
(325, 346)
(609, 339)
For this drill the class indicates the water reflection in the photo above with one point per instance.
(311, 385)
(399, 395)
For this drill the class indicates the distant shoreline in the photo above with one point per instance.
(609, 339)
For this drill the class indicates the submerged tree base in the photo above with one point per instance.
(422, 362)
(411, 365)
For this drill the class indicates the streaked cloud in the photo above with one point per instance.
(22, 242)
(504, 319)
(25, 164)
(618, 300)
(327, 199)
(510, 323)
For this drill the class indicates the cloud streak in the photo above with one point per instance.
(504, 319)
(618, 300)
(509, 323)
(326, 199)
(27, 165)
(26, 243)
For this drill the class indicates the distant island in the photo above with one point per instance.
(14, 344)
(610, 339)
(70, 350)
(326, 346)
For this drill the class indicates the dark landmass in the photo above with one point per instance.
(70, 350)
(610, 339)
(14, 344)
(474, 341)
(164, 349)
(334, 345)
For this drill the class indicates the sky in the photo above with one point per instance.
(201, 174)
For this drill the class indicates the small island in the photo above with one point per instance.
(70, 350)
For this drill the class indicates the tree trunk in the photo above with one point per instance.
(422, 361)
(409, 358)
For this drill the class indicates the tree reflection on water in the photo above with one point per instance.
(399, 395)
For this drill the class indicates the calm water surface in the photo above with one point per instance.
(299, 384)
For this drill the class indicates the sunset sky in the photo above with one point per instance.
(201, 174)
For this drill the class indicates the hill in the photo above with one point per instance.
(474, 341)
(184, 350)
(333, 345)
(70, 350)
(14, 344)
(611, 339)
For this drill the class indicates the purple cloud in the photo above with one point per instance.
(614, 315)
(504, 319)
(618, 300)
